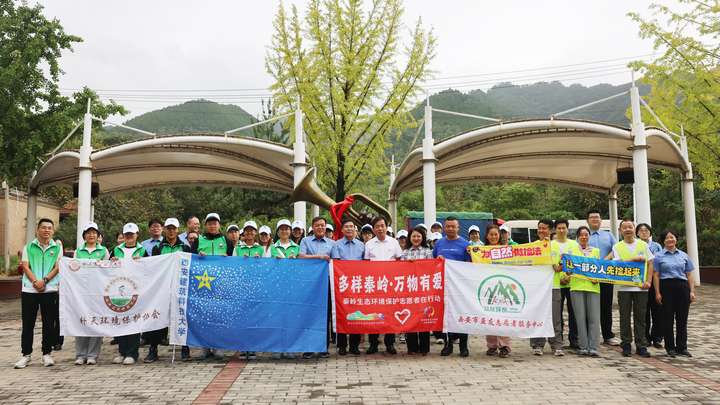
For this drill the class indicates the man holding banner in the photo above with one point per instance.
(559, 246)
(543, 232)
(604, 241)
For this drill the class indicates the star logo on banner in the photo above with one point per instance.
(205, 280)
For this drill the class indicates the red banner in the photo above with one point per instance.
(388, 297)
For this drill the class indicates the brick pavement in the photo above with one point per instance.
(376, 379)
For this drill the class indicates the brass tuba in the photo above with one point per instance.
(307, 190)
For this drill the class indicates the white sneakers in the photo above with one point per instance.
(118, 359)
(48, 360)
(23, 362)
(128, 361)
(559, 352)
(79, 361)
(613, 341)
(91, 361)
(538, 351)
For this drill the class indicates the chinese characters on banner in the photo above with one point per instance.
(387, 297)
(607, 271)
(527, 254)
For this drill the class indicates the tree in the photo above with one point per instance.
(34, 116)
(342, 63)
(272, 131)
(685, 79)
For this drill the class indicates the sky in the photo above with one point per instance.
(151, 54)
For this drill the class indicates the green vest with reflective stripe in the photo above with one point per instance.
(572, 248)
(581, 284)
(120, 253)
(627, 255)
(166, 249)
(292, 250)
(212, 247)
(42, 261)
(84, 253)
(249, 251)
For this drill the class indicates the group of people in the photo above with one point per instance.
(654, 310)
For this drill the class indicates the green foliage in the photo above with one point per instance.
(342, 63)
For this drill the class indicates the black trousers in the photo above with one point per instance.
(128, 345)
(48, 305)
(462, 336)
(388, 339)
(675, 308)
(606, 310)
(155, 337)
(418, 342)
(342, 340)
(653, 326)
(572, 325)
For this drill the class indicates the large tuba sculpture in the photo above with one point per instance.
(307, 190)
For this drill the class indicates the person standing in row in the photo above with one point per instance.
(298, 232)
(284, 247)
(348, 248)
(248, 247)
(604, 241)
(417, 342)
(155, 227)
(39, 291)
(674, 281)
(474, 236)
(453, 247)
(497, 345)
(381, 248)
(128, 345)
(266, 241)
(559, 246)
(585, 295)
(318, 246)
(544, 227)
(653, 329)
(191, 225)
(232, 233)
(170, 244)
(87, 348)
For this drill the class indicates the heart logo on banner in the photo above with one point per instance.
(402, 316)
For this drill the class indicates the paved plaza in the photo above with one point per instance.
(376, 379)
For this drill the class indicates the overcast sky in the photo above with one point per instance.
(142, 48)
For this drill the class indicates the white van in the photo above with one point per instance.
(525, 230)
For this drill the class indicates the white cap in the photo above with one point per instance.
(265, 229)
(438, 223)
(435, 236)
(172, 222)
(505, 227)
(473, 228)
(366, 226)
(421, 225)
(389, 229)
(329, 227)
(251, 224)
(212, 215)
(287, 223)
(297, 224)
(402, 234)
(231, 227)
(90, 225)
(131, 227)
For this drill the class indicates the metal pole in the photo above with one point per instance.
(428, 160)
(299, 163)
(640, 165)
(84, 202)
(613, 209)
(6, 236)
(688, 195)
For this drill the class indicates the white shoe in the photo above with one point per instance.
(559, 352)
(440, 341)
(118, 359)
(613, 341)
(48, 360)
(91, 361)
(537, 351)
(23, 362)
(128, 361)
(79, 361)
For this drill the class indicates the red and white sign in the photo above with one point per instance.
(387, 297)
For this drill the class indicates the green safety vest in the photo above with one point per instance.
(42, 262)
(571, 248)
(582, 284)
(213, 247)
(120, 253)
(99, 252)
(626, 254)
(292, 250)
(166, 249)
(249, 251)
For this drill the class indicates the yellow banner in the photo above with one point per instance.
(527, 254)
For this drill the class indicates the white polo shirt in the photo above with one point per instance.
(387, 249)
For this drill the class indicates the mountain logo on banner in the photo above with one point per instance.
(500, 293)
(121, 294)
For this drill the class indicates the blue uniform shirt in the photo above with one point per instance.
(455, 249)
(673, 264)
(149, 244)
(654, 247)
(345, 249)
(602, 240)
(316, 246)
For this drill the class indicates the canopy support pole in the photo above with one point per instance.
(613, 210)
(428, 160)
(299, 164)
(640, 164)
(688, 195)
(84, 204)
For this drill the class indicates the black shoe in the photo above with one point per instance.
(642, 352)
(671, 353)
(446, 351)
(342, 351)
(354, 351)
(185, 353)
(684, 353)
(372, 349)
(57, 348)
(464, 352)
(152, 355)
(390, 350)
(113, 341)
(626, 351)
(308, 355)
(657, 345)
(323, 355)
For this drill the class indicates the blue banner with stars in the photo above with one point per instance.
(250, 304)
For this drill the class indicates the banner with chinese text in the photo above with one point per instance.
(387, 296)
(607, 271)
(500, 300)
(250, 303)
(115, 298)
(527, 254)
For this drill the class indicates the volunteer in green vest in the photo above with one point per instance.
(633, 300)
(39, 290)
(232, 233)
(212, 243)
(170, 243)
(248, 246)
(130, 249)
(559, 246)
(585, 295)
(284, 247)
(87, 348)
(266, 241)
